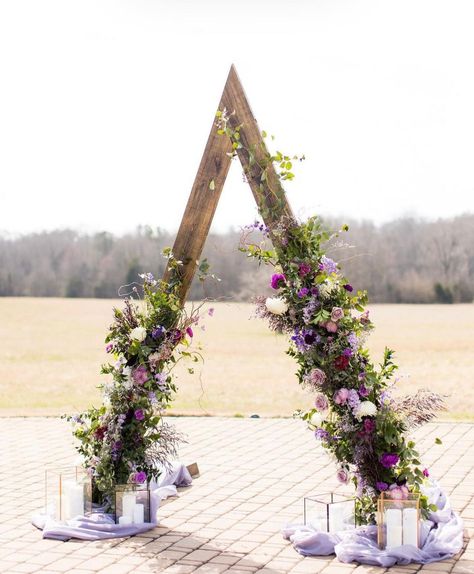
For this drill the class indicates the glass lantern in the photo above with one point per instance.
(132, 503)
(398, 521)
(68, 493)
(329, 512)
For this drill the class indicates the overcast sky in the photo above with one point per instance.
(105, 106)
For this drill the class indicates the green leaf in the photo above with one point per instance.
(438, 441)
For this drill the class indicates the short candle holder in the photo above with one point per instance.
(398, 521)
(132, 503)
(68, 493)
(329, 512)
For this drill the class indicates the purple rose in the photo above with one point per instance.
(317, 377)
(381, 486)
(304, 269)
(337, 314)
(139, 477)
(278, 280)
(341, 396)
(139, 414)
(389, 459)
(140, 375)
(303, 292)
(342, 476)
(348, 287)
(321, 402)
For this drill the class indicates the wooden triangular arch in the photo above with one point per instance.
(202, 203)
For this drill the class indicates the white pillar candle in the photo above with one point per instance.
(139, 514)
(73, 494)
(129, 500)
(393, 522)
(410, 526)
(125, 520)
(336, 518)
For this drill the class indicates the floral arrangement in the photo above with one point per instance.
(126, 440)
(354, 416)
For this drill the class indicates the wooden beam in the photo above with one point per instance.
(210, 178)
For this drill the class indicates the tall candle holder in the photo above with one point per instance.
(68, 493)
(398, 521)
(132, 503)
(329, 512)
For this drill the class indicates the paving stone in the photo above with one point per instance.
(230, 519)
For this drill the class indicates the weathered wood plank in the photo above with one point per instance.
(269, 194)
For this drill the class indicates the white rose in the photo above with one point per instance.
(366, 409)
(316, 419)
(138, 334)
(276, 305)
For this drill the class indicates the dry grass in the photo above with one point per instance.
(51, 350)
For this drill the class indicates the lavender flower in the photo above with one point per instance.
(303, 292)
(353, 400)
(140, 375)
(139, 414)
(363, 391)
(342, 476)
(316, 377)
(322, 434)
(381, 486)
(321, 402)
(353, 341)
(328, 265)
(158, 332)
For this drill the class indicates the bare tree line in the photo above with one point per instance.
(404, 261)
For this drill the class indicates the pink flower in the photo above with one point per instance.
(330, 326)
(398, 492)
(210, 311)
(342, 476)
(140, 375)
(426, 472)
(336, 314)
(321, 402)
(109, 347)
(317, 377)
(189, 331)
(341, 396)
(304, 269)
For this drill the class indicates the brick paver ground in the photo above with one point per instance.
(254, 475)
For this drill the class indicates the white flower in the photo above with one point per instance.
(138, 334)
(276, 305)
(326, 288)
(316, 419)
(366, 409)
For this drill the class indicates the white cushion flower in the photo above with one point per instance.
(276, 305)
(366, 409)
(316, 419)
(138, 334)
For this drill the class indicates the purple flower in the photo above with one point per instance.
(340, 396)
(139, 477)
(426, 472)
(314, 291)
(353, 341)
(381, 486)
(328, 265)
(321, 402)
(109, 348)
(348, 287)
(369, 425)
(321, 434)
(347, 352)
(342, 476)
(158, 332)
(140, 375)
(139, 414)
(304, 269)
(210, 311)
(278, 280)
(189, 331)
(303, 292)
(337, 314)
(316, 377)
(353, 400)
(389, 459)
(363, 391)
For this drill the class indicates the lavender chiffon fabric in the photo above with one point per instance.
(100, 525)
(440, 538)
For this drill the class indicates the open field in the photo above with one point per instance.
(51, 351)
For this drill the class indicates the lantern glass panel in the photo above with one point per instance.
(329, 512)
(132, 503)
(398, 521)
(68, 493)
